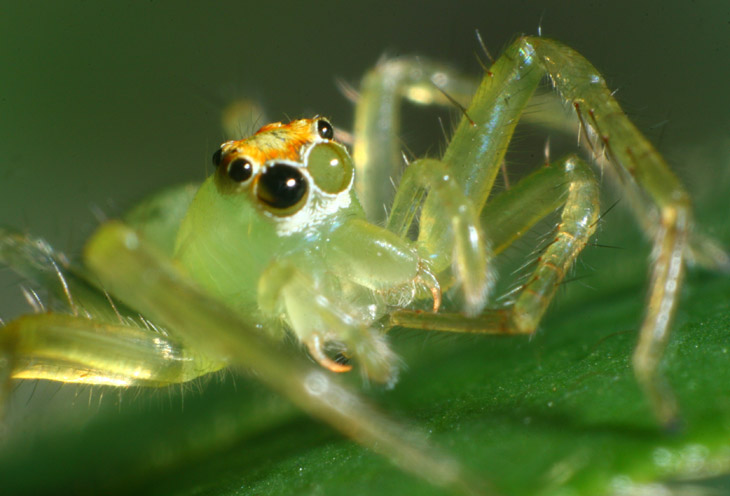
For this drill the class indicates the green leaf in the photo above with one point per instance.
(559, 413)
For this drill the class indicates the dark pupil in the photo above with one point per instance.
(281, 186)
(240, 170)
(325, 130)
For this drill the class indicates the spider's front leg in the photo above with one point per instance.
(143, 278)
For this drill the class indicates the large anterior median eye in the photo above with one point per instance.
(282, 188)
(330, 167)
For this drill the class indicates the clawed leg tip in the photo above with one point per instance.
(316, 350)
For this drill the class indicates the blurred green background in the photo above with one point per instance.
(102, 103)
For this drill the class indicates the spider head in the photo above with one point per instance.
(295, 174)
(273, 195)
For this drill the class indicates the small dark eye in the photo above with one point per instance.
(240, 170)
(281, 186)
(325, 130)
(217, 157)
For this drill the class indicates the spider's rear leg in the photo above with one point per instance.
(377, 150)
(378, 147)
(662, 198)
(569, 182)
(477, 147)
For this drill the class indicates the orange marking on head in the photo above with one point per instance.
(274, 141)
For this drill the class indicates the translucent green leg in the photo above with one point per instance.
(377, 150)
(475, 154)
(633, 156)
(78, 350)
(466, 242)
(377, 147)
(384, 262)
(513, 212)
(147, 281)
(574, 185)
(69, 290)
(101, 342)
